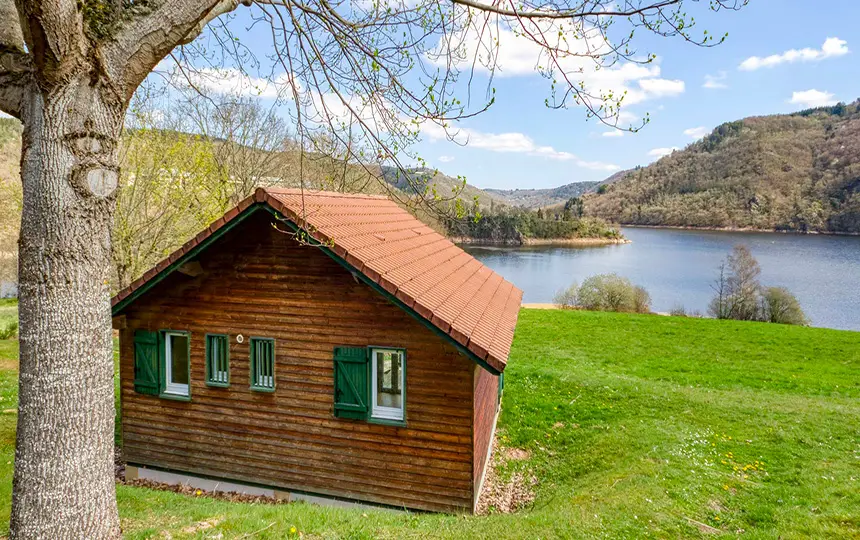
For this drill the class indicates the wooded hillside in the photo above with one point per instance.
(797, 172)
(10, 198)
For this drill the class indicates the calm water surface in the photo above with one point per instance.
(679, 267)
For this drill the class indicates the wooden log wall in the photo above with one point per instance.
(484, 420)
(260, 282)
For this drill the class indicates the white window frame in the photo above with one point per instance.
(387, 413)
(172, 388)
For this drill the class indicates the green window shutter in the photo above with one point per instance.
(351, 392)
(146, 362)
(262, 364)
(217, 360)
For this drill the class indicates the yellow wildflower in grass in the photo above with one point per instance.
(198, 492)
(293, 530)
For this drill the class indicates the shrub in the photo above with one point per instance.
(778, 305)
(566, 298)
(9, 330)
(611, 292)
(678, 311)
(641, 300)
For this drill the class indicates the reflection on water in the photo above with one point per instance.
(678, 267)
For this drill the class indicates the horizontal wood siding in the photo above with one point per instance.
(260, 282)
(486, 405)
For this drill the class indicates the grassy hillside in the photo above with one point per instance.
(10, 197)
(446, 186)
(634, 426)
(797, 172)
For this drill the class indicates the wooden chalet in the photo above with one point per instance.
(317, 344)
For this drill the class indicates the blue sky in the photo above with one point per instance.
(780, 56)
(762, 29)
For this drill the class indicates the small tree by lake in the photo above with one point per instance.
(738, 294)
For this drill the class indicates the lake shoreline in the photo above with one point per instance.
(678, 267)
(468, 241)
(741, 230)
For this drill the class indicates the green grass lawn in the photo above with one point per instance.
(8, 316)
(636, 426)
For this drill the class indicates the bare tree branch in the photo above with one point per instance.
(553, 12)
(15, 66)
(148, 37)
(54, 33)
(11, 37)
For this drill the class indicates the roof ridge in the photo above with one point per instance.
(322, 193)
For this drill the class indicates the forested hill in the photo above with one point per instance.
(796, 172)
(537, 198)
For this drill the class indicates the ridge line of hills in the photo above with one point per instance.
(788, 172)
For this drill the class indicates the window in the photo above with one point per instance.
(177, 376)
(370, 384)
(263, 364)
(387, 379)
(217, 360)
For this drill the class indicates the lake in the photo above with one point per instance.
(678, 267)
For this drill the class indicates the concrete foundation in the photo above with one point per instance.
(223, 486)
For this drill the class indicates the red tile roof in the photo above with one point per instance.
(445, 285)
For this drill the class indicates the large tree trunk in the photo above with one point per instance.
(64, 480)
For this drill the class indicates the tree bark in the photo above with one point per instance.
(64, 479)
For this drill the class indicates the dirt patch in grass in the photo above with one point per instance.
(515, 454)
(501, 495)
(7, 364)
(202, 525)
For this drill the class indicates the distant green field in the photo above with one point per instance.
(636, 426)
(8, 310)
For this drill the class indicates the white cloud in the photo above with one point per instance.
(613, 133)
(697, 132)
(662, 87)
(832, 47)
(515, 55)
(4, 115)
(446, 159)
(660, 152)
(812, 98)
(513, 142)
(234, 82)
(716, 82)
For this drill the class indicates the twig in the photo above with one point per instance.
(703, 526)
(255, 533)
